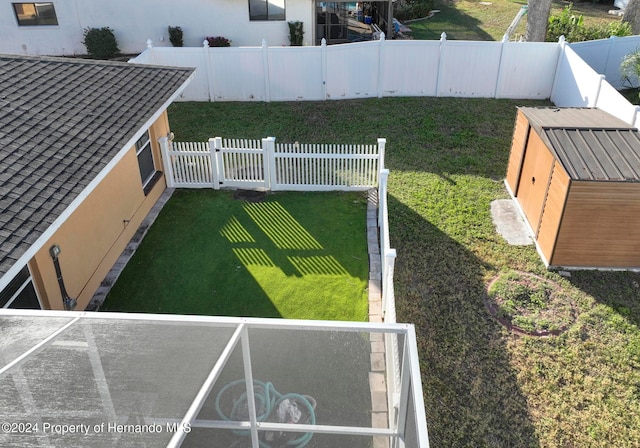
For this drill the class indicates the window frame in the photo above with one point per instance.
(38, 18)
(149, 177)
(144, 144)
(269, 17)
(17, 289)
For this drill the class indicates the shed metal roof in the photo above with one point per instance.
(572, 117)
(590, 144)
(597, 154)
(61, 121)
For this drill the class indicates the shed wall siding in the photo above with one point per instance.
(600, 226)
(95, 235)
(552, 212)
(517, 151)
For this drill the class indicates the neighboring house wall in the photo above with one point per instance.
(135, 22)
(97, 232)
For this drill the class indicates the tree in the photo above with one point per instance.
(632, 15)
(538, 20)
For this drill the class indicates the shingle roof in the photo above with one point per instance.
(61, 122)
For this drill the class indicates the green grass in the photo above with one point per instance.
(482, 385)
(296, 255)
(471, 20)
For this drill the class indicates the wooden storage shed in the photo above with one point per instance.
(575, 172)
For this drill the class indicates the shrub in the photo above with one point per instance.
(218, 41)
(630, 75)
(630, 68)
(175, 36)
(296, 33)
(573, 29)
(100, 43)
(412, 9)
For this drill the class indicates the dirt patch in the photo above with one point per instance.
(530, 304)
(250, 195)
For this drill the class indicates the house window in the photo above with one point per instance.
(30, 14)
(266, 9)
(20, 292)
(148, 173)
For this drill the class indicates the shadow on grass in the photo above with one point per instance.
(472, 396)
(618, 290)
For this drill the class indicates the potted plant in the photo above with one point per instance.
(296, 33)
(175, 36)
(218, 41)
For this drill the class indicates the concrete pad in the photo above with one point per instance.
(509, 224)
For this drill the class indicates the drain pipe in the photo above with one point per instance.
(68, 303)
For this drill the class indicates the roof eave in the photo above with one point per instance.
(41, 241)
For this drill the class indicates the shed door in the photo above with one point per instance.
(534, 180)
(518, 146)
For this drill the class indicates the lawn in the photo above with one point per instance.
(475, 20)
(483, 385)
(294, 255)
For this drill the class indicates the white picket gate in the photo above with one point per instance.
(187, 164)
(263, 165)
(239, 163)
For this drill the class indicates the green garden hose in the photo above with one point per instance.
(267, 400)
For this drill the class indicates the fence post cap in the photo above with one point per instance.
(391, 253)
(149, 43)
(205, 43)
(323, 42)
(382, 36)
(264, 42)
(443, 36)
(382, 140)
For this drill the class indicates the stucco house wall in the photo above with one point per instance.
(135, 22)
(71, 172)
(97, 232)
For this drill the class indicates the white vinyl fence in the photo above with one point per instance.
(388, 257)
(382, 68)
(584, 74)
(579, 85)
(263, 164)
(605, 55)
